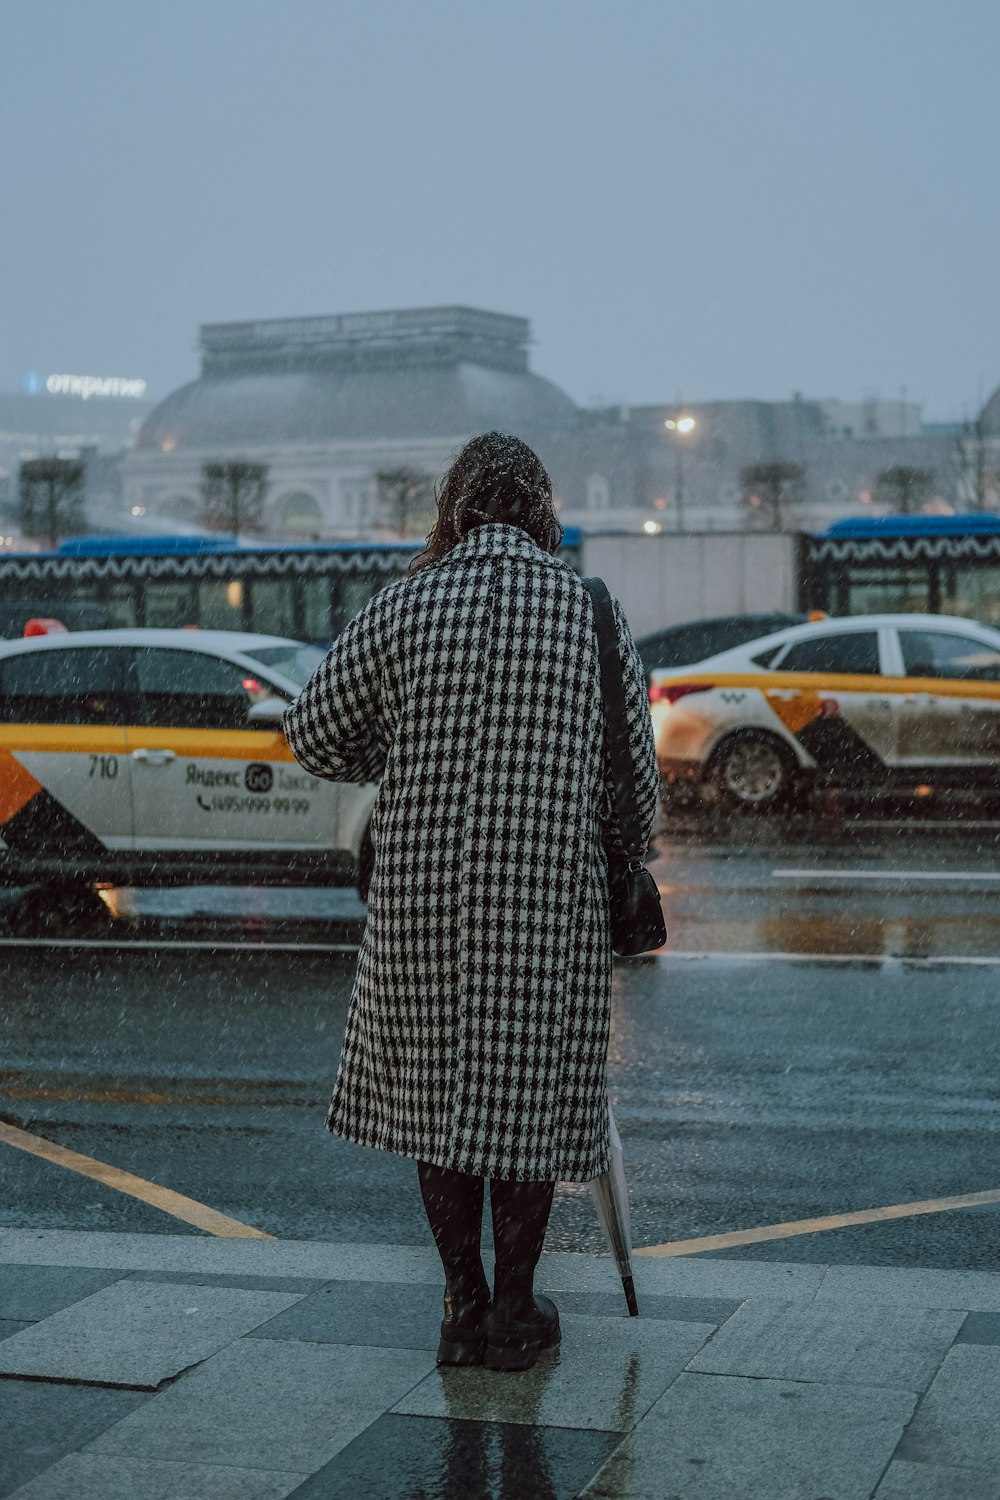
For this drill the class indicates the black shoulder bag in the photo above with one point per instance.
(637, 924)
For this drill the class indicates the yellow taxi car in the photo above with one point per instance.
(877, 703)
(157, 757)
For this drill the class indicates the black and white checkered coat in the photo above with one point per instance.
(477, 1034)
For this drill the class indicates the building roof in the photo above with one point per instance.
(989, 417)
(416, 373)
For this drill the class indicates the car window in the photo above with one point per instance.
(72, 685)
(682, 644)
(939, 653)
(765, 658)
(847, 651)
(295, 662)
(192, 690)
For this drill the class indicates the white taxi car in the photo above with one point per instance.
(884, 703)
(156, 756)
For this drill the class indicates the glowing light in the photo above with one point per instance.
(651, 527)
(234, 593)
(686, 424)
(138, 510)
(923, 790)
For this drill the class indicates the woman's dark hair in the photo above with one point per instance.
(494, 478)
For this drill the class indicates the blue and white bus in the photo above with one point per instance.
(905, 565)
(306, 591)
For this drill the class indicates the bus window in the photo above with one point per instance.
(973, 591)
(170, 605)
(272, 607)
(350, 599)
(316, 610)
(122, 604)
(220, 604)
(892, 591)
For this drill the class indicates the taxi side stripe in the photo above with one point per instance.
(219, 744)
(88, 739)
(17, 786)
(43, 825)
(837, 682)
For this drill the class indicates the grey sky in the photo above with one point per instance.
(721, 197)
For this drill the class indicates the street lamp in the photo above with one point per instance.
(678, 427)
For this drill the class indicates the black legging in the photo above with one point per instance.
(454, 1205)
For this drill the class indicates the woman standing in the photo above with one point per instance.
(477, 1033)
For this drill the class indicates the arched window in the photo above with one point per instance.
(598, 492)
(298, 514)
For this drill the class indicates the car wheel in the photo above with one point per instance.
(753, 772)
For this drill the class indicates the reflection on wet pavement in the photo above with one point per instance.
(882, 890)
(824, 887)
(195, 915)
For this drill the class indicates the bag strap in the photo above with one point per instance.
(616, 719)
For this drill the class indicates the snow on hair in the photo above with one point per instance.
(495, 477)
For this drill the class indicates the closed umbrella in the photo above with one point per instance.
(610, 1192)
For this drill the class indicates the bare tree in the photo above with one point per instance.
(51, 497)
(904, 488)
(405, 501)
(977, 483)
(770, 490)
(232, 495)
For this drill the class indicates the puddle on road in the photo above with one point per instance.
(967, 934)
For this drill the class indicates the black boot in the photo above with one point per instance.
(454, 1205)
(519, 1324)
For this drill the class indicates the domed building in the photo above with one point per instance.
(333, 406)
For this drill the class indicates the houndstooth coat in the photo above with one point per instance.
(477, 1034)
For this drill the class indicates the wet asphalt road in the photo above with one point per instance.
(837, 1049)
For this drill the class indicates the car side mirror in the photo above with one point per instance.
(266, 711)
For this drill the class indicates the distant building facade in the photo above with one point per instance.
(697, 481)
(330, 405)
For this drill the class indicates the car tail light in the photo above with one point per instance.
(671, 691)
(44, 626)
(252, 685)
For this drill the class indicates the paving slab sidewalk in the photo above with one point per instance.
(171, 1367)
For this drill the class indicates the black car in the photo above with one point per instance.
(680, 645)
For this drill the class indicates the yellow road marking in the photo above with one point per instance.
(70, 1095)
(163, 1198)
(816, 1226)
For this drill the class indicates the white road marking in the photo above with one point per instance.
(665, 955)
(885, 874)
(986, 961)
(158, 945)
